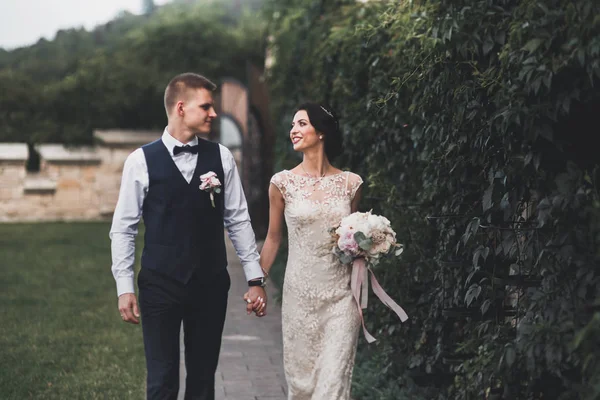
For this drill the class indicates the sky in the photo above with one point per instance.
(24, 22)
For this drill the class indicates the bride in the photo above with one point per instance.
(319, 317)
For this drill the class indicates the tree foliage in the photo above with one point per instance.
(114, 76)
(471, 122)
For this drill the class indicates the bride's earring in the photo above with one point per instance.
(321, 137)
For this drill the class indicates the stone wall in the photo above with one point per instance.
(79, 183)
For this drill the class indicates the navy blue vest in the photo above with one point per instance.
(184, 232)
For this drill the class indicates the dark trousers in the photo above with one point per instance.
(201, 305)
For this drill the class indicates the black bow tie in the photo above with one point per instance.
(183, 149)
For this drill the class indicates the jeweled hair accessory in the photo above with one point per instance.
(337, 124)
(328, 112)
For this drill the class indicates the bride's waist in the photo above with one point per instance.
(309, 289)
(312, 255)
(318, 265)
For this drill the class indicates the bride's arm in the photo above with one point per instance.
(273, 240)
(356, 200)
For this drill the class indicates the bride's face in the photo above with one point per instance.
(303, 135)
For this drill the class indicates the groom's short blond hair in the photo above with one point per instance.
(181, 83)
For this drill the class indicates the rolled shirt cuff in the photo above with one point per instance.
(125, 285)
(252, 270)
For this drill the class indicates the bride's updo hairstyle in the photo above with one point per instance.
(325, 122)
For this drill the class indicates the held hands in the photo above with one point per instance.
(256, 300)
(128, 308)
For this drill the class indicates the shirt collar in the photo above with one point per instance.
(170, 142)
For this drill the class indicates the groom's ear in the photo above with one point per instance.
(179, 108)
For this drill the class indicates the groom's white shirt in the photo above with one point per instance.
(134, 187)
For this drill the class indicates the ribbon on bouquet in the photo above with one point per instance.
(360, 290)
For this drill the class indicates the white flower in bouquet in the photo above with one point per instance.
(378, 223)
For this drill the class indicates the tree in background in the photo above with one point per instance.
(114, 76)
(148, 7)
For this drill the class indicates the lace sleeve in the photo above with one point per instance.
(278, 181)
(352, 184)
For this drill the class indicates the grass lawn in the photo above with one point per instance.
(61, 336)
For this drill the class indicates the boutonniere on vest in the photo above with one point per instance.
(211, 184)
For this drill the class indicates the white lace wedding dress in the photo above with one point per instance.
(319, 315)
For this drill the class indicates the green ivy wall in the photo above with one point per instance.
(472, 123)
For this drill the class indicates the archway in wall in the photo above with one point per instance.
(231, 136)
(242, 127)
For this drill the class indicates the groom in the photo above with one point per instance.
(183, 276)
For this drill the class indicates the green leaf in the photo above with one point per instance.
(488, 45)
(487, 198)
(345, 258)
(472, 293)
(477, 254)
(472, 229)
(399, 251)
(474, 225)
(536, 161)
(359, 236)
(363, 242)
(485, 306)
(485, 253)
(505, 203)
(581, 56)
(510, 355)
(533, 45)
(563, 183)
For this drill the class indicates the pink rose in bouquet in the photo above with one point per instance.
(348, 245)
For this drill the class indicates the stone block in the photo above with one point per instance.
(68, 184)
(69, 171)
(12, 173)
(126, 138)
(88, 173)
(58, 153)
(10, 193)
(36, 184)
(14, 152)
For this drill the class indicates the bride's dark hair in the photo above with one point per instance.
(325, 122)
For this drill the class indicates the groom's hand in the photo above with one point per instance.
(256, 300)
(128, 308)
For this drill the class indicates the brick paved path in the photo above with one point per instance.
(250, 365)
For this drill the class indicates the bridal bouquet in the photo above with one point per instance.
(365, 235)
(361, 239)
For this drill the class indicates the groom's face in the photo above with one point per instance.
(199, 111)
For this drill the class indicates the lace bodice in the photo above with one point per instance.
(342, 186)
(314, 205)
